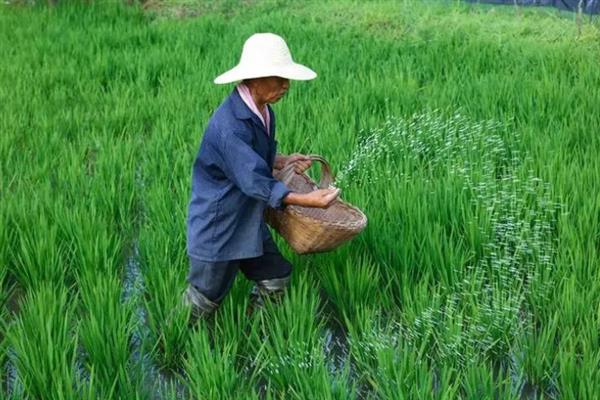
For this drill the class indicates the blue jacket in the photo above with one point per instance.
(232, 183)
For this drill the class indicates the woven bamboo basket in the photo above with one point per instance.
(314, 230)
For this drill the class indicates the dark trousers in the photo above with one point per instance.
(214, 279)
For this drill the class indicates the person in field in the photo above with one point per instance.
(232, 181)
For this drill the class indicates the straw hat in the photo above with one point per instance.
(266, 54)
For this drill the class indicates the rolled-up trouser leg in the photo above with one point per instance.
(209, 282)
(202, 307)
(271, 273)
(272, 289)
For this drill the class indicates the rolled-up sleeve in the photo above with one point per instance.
(249, 171)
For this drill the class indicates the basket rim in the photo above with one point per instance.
(359, 223)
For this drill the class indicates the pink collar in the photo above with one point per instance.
(244, 92)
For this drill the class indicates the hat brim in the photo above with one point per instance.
(294, 71)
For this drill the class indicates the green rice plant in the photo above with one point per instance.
(44, 340)
(399, 374)
(468, 322)
(92, 242)
(116, 172)
(480, 313)
(167, 316)
(425, 233)
(164, 265)
(235, 323)
(353, 285)
(577, 361)
(392, 367)
(472, 323)
(129, 384)
(427, 142)
(211, 372)
(5, 293)
(573, 300)
(312, 378)
(234, 326)
(366, 323)
(289, 348)
(481, 381)
(5, 243)
(536, 356)
(40, 257)
(290, 326)
(106, 332)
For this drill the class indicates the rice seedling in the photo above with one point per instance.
(41, 257)
(351, 286)
(5, 292)
(44, 342)
(106, 334)
(289, 330)
(483, 382)
(167, 317)
(577, 366)
(235, 323)
(390, 366)
(211, 373)
(288, 349)
(163, 265)
(480, 313)
(535, 357)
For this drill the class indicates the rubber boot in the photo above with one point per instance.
(202, 307)
(272, 289)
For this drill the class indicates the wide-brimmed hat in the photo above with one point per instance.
(266, 54)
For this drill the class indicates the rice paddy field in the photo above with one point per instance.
(468, 134)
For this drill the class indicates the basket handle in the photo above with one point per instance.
(326, 176)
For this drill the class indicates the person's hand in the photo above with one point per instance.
(301, 162)
(321, 198)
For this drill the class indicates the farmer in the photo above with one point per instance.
(232, 181)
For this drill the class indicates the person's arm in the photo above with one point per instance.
(249, 171)
(251, 174)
